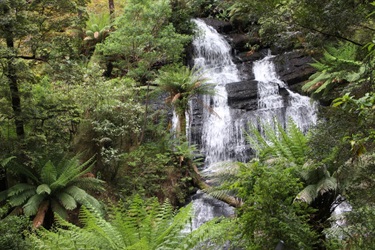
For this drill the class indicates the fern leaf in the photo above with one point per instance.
(89, 183)
(308, 194)
(43, 188)
(298, 142)
(105, 233)
(93, 203)
(21, 198)
(48, 173)
(174, 230)
(5, 161)
(32, 205)
(59, 209)
(77, 193)
(71, 171)
(326, 185)
(26, 171)
(19, 188)
(67, 200)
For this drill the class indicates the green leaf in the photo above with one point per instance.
(4, 162)
(20, 198)
(32, 205)
(43, 188)
(59, 209)
(19, 188)
(67, 200)
(77, 193)
(48, 173)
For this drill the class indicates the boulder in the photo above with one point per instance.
(220, 26)
(243, 95)
(294, 69)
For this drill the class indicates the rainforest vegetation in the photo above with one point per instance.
(87, 159)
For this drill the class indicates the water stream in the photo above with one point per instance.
(223, 139)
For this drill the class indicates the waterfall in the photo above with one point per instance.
(213, 56)
(272, 105)
(223, 129)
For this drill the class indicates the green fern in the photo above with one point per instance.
(143, 225)
(61, 186)
(338, 66)
(290, 143)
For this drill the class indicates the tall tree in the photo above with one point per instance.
(144, 40)
(34, 40)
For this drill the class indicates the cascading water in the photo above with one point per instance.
(223, 129)
(213, 56)
(272, 105)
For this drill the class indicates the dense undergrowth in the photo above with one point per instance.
(82, 103)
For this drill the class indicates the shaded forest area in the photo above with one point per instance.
(87, 159)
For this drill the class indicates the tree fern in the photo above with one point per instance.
(60, 185)
(48, 173)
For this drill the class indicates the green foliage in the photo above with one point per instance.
(339, 66)
(12, 233)
(144, 39)
(182, 84)
(143, 225)
(158, 170)
(286, 24)
(290, 144)
(269, 213)
(97, 29)
(363, 107)
(61, 185)
(112, 120)
(357, 181)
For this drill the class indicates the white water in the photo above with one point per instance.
(271, 105)
(223, 137)
(213, 56)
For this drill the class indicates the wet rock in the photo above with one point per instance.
(220, 26)
(294, 69)
(243, 95)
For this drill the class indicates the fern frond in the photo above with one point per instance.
(32, 205)
(308, 194)
(212, 233)
(5, 161)
(43, 188)
(89, 183)
(326, 185)
(91, 202)
(66, 200)
(19, 188)
(77, 193)
(30, 173)
(59, 209)
(48, 173)
(21, 198)
(172, 236)
(72, 170)
(104, 232)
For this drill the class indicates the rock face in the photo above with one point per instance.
(243, 95)
(294, 68)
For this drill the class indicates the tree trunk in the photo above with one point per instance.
(181, 126)
(111, 5)
(41, 214)
(230, 200)
(13, 85)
